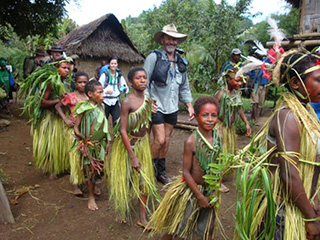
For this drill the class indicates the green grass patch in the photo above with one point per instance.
(3, 177)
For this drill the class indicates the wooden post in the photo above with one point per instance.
(5, 211)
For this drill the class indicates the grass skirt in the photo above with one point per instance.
(126, 183)
(51, 145)
(180, 214)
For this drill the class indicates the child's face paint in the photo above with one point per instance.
(64, 69)
(312, 84)
(140, 80)
(113, 65)
(80, 83)
(208, 116)
(97, 95)
(235, 83)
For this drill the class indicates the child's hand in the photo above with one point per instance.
(204, 202)
(248, 130)
(63, 95)
(154, 106)
(135, 163)
(69, 123)
(108, 148)
(313, 230)
(85, 151)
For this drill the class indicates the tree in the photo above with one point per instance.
(212, 30)
(31, 17)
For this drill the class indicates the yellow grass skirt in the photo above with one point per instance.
(180, 214)
(51, 145)
(125, 182)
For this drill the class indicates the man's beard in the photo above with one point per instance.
(169, 48)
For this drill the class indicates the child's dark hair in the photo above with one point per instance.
(204, 100)
(80, 74)
(113, 58)
(90, 86)
(297, 63)
(133, 71)
(61, 60)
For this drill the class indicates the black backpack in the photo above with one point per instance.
(161, 68)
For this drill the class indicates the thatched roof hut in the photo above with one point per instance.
(309, 25)
(99, 40)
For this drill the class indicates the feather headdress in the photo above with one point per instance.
(251, 64)
(276, 33)
(257, 47)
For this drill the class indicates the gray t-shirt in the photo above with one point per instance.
(177, 87)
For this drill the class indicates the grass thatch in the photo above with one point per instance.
(100, 38)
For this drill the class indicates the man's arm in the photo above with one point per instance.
(149, 65)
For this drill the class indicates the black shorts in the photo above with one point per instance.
(160, 118)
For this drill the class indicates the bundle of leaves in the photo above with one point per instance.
(34, 88)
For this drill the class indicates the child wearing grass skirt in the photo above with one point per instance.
(289, 208)
(91, 130)
(69, 102)
(189, 206)
(44, 88)
(131, 171)
(231, 108)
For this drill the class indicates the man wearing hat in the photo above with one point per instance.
(168, 83)
(233, 62)
(32, 63)
(55, 52)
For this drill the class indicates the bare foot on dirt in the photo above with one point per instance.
(53, 176)
(144, 225)
(77, 192)
(224, 189)
(92, 204)
(120, 220)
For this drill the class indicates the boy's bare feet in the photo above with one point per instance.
(224, 189)
(121, 220)
(77, 192)
(92, 204)
(53, 176)
(144, 225)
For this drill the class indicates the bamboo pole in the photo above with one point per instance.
(185, 126)
(5, 211)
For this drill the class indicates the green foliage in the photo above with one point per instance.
(3, 177)
(288, 22)
(15, 49)
(241, 127)
(212, 30)
(31, 17)
(14, 52)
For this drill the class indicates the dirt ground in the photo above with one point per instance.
(50, 211)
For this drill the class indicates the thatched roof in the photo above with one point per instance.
(100, 38)
(294, 3)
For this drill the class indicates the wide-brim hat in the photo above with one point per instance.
(171, 31)
(55, 48)
(40, 52)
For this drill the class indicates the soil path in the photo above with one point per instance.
(50, 211)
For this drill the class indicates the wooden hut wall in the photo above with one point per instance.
(90, 65)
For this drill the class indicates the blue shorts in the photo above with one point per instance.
(160, 118)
